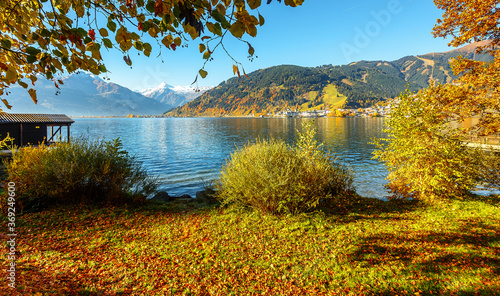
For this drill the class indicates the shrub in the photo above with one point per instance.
(83, 171)
(274, 177)
(426, 157)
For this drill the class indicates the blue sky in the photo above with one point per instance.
(317, 33)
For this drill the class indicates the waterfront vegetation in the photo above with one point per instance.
(361, 247)
(348, 246)
(274, 177)
(83, 171)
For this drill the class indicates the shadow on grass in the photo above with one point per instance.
(488, 199)
(357, 207)
(436, 259)
(32, 280)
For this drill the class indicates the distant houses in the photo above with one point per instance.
(378, 111)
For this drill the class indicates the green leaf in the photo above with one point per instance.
(32, 50)
(5, 43)
(57, 53)
(138, 45)
(206, 55)
(147, 49)
(251, 50)
(45, 33)
(107, 42)
(203, 73)
(81, 31)
(261, 20)
(166, 19)
(147, 46)
(217, 16)
(102, 68)
(145, 26)
(112, 26)
(220, 18)
(31, 59)
(150, 6)
(177, 11)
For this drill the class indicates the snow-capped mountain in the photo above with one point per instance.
(83, 95)
(157, 91)
(173, 96)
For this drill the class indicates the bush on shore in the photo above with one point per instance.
(274, 177)
(83, 171)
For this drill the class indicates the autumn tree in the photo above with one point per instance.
(426, 152)
(476, 92)
(52, 37)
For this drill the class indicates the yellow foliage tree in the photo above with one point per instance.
(427, 153)
(51, 37)
(476, 91)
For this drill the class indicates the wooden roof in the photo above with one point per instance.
(34, 118)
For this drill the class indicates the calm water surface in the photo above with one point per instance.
(187, 153)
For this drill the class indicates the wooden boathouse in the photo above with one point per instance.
(32, 129)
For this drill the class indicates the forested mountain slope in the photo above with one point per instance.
(359, 84)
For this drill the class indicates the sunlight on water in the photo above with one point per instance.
(187, 153)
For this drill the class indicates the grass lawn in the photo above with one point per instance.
(365, 247)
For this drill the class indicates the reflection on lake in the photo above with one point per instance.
(187, 153)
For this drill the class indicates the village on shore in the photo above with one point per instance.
(377, 111)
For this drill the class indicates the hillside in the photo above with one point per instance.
(82, 95)
(88, 95)
(359, 84)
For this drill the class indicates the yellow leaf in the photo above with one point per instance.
(6, 103)
(252, 30)
(11, 75)
(237, 29)
(254, 3)
(177, 41)
(235, 69)
(119, 36)
(32, 93)
(103, 32)
(203, 73)
(95, 71)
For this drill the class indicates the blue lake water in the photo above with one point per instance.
(187, 153)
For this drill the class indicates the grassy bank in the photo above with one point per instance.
(367, 247)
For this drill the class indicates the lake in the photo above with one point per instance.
(187, 153)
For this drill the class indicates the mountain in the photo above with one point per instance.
(173, 96)
(83, 95)
(359, 84)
